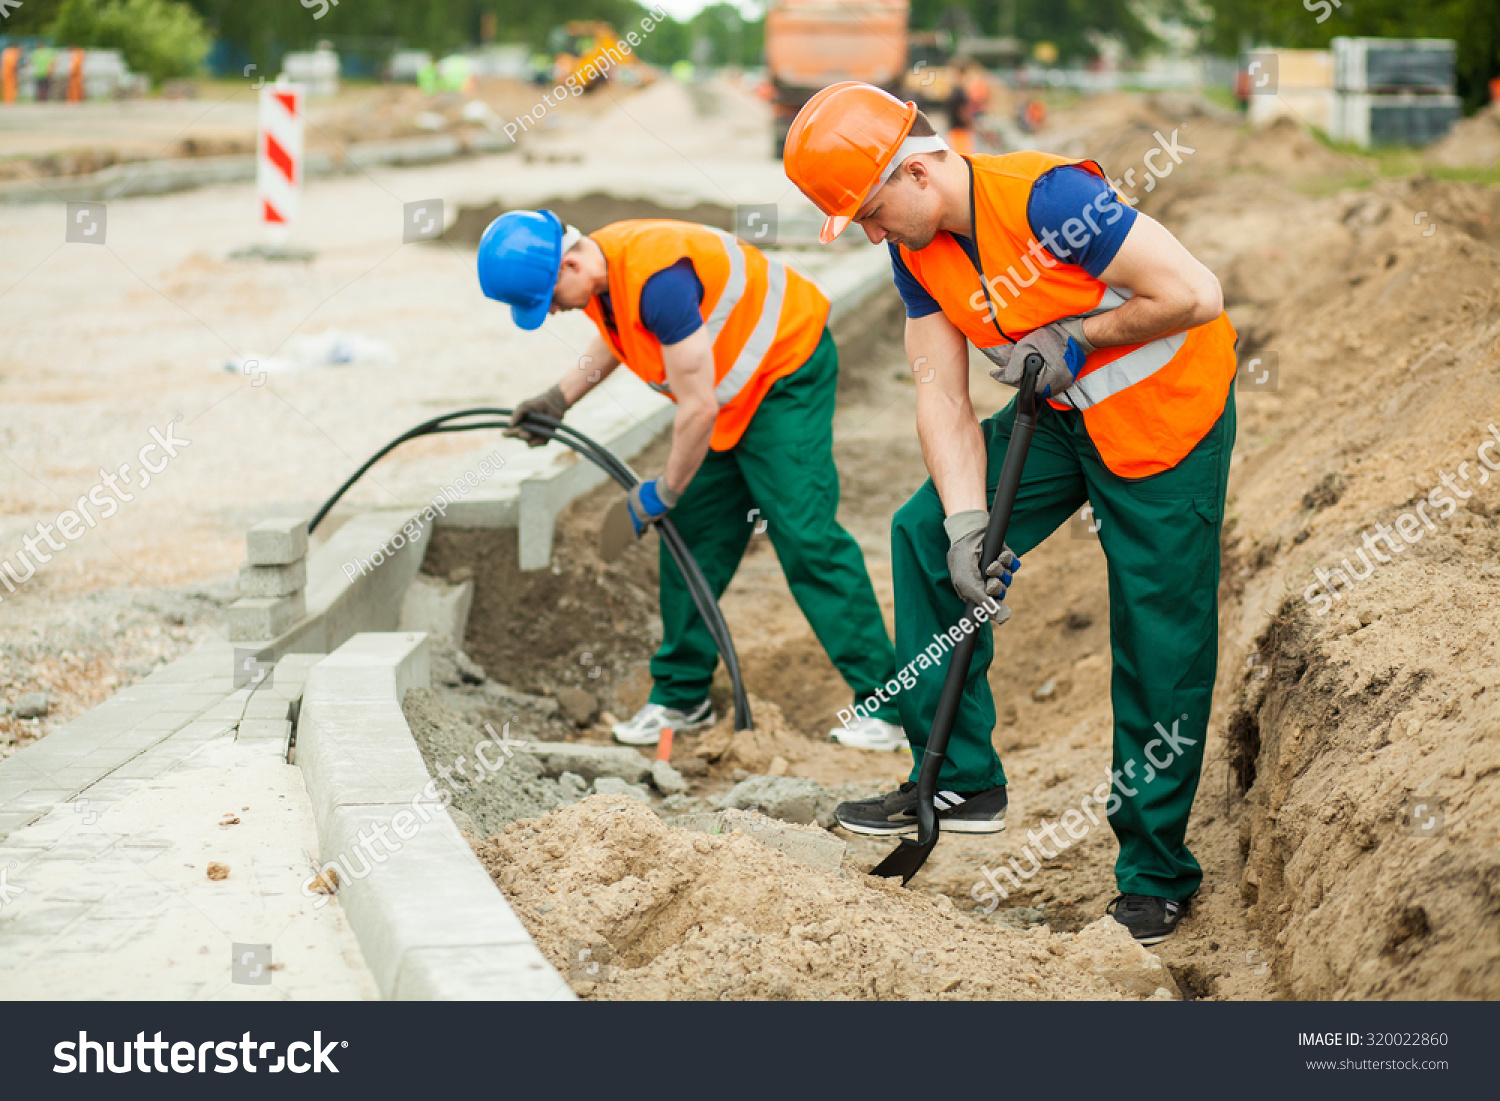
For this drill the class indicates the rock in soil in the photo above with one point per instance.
(33, 705)
(667, 779)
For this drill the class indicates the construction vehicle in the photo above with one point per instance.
(811, 44)
(593, 47)
(931, 75)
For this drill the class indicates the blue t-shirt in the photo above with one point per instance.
(1058, 197)
(671, 303)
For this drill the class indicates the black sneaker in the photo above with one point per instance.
(1149, 919)
(895, 814)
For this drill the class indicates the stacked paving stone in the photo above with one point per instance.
(273, 582)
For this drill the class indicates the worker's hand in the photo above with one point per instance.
(966, 536)
(650, 501)
(1063, 348)
(551, 404)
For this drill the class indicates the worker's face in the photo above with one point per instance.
(905, 211)
(574, 287)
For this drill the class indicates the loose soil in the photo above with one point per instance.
(630, 908)
(1328, 729)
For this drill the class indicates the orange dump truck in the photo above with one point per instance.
(811, 44)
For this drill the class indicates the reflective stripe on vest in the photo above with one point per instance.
(761, 337)
(1129, 369)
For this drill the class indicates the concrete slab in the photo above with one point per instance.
(808, 845)
(430, 921)
(122, 907)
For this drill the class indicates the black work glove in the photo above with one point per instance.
(550, 404)
(966, 535)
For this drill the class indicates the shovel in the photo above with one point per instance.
(617, 532)
(910, 855)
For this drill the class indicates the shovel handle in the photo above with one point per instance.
(1027, 412)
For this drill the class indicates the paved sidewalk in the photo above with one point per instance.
(108, 894)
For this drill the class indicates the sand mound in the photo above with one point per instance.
(1472, 143)
(1287, 150)
(628, 907)
(725, 748)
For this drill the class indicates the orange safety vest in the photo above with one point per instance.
(9, 59)
(764, 319)
(1145, 406)
(75, 77)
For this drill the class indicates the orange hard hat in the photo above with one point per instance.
(840, 146)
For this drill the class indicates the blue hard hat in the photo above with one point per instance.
(520, 255)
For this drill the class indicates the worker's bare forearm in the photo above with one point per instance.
(592, 368)
(692, 431)
(953, 447)
(952, 443)
(690, 373)
(1173, 291)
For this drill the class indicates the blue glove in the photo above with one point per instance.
(649, 501)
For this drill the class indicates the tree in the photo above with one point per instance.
(1473, 24)
(160, 38)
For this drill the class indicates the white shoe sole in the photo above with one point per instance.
(883, 747)
(655, 739)
(944, 826)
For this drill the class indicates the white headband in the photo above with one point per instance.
(909, 148)
(571, 237)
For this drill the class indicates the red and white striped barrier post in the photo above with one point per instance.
(278, 176)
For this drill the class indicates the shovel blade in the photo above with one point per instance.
(617, 532)
(907, 859)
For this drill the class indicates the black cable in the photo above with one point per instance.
(698, 587)
(565, 434)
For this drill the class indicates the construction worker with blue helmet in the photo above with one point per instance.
(741, 344)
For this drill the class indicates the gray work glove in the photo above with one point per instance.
(551, 404)
(1063, 348)
(966, 535)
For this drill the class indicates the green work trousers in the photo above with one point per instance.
(1161, 540)
(779, 478)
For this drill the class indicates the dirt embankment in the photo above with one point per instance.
(1362, 719)
(1346, 821)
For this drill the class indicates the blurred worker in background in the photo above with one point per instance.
(1028, 253)
(740, 342)
(960, 113)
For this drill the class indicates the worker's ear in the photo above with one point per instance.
(921, 174)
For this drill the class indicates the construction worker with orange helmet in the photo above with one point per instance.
(740, 342)
(1027, 253)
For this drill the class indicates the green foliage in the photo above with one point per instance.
(160, 38)
(1474, 24)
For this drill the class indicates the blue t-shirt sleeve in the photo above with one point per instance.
(671, 303)
(918, 302)
(1078, 218)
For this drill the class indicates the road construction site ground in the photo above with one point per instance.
(1378, 302)
(99, 345)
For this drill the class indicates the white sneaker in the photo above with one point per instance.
(870, 733)
(645, 727)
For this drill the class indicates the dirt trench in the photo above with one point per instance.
(1346, 819)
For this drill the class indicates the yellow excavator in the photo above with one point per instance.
(592, 49)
